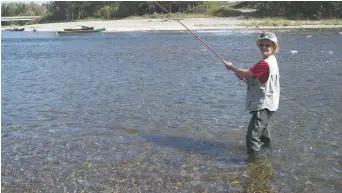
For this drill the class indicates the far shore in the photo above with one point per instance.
(171, 25)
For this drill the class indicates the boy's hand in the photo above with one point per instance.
(228, 65)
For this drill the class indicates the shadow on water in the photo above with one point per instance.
(215, 149)
(257, 175)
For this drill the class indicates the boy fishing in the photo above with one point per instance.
(263, 93)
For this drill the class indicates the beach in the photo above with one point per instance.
(128, 25)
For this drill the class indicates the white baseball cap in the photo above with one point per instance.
(269, 36)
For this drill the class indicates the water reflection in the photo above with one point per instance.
(258, 176)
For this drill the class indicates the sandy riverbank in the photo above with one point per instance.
(168, 25)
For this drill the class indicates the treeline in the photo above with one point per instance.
(59, 10)
(76, 10)
(62, 10)
(297, 9)
(21, 9)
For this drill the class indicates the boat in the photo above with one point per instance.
(80, 31)
(82, 28)
(15, 29)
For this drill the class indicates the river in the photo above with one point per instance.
(157, 112)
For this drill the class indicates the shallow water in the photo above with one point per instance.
(157, 112)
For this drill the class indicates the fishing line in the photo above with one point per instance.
(190, 31)
(194, 35)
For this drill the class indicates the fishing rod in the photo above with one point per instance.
(195, 35)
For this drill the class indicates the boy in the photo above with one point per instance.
(263, 92)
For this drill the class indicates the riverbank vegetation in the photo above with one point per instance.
(286, 22)
(60, 11)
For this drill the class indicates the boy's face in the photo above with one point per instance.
(266, 47)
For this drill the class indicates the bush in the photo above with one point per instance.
(108, 12)
(198, 9)
(227, 12)
(212, 9)
(48, 17)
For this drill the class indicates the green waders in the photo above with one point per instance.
(258, 133)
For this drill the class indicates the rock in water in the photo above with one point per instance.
(293, 51)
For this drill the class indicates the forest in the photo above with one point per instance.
(56, 11)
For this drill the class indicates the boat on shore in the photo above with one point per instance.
(77, 29)
(85, 31)
(15, 29)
